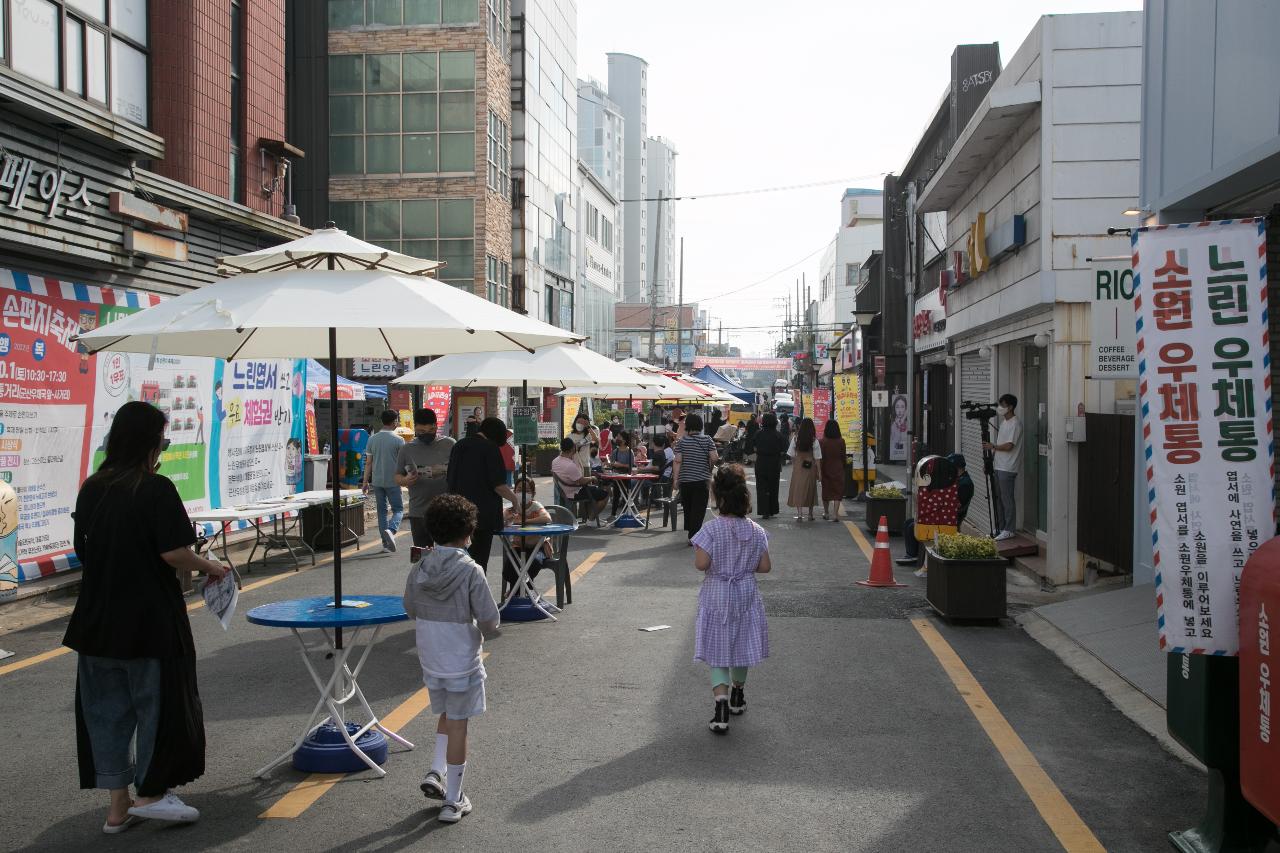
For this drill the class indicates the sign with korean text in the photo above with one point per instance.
(524, 423)
(741, 363)
(572, 405)
(631, 419)
(438, 399)
(57, 191)
(548, 429)
(1260, 679)
(821, 408)
(1200, 293)
(1115, 341)
(255, 443)
(377, 368)
(879, 368)
(849, 410)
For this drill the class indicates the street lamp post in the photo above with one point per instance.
(863, 320)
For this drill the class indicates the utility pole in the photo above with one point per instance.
(680, 316)
(653, 278)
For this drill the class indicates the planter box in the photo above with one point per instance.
(966, 589)
(542, 460)
(893, 509)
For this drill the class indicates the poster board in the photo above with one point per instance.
(1200, 292)
(849, 410)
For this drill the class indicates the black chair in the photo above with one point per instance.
(660, 496)
(584, 506)
(559, 564)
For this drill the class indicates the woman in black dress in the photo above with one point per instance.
(136, 675)
(770, 446)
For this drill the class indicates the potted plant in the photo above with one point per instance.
(965, 577)
(888, 502)
(544, 454)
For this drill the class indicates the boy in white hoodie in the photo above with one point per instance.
(453, 609)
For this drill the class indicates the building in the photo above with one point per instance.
(599, 222)
(138, 143)
(1210, 143)
(637, 323)
(860, 232)
(545, 162)
(600, 136)
(417, 142)
(629, 89)
(662, 182)
(1046, 163)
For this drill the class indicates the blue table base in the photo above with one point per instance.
(326, 751)
(521, 609)
(628, 520)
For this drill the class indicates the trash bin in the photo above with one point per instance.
(315, 472)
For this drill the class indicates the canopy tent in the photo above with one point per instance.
(691, 392)
(550, 367)
(348, 389)
(711, 376)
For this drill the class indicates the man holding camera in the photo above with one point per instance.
(1007, 451)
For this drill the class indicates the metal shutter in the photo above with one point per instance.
(1273, 309)
(975, 385)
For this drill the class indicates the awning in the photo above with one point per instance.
(714, 377)
(348, 389)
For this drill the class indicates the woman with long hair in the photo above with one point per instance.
(805, 455)
(769, 446)
(831, 469)
(136, 675)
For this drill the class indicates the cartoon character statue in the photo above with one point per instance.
(8, 541)
(937, 498)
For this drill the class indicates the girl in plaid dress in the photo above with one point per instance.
(731, 631)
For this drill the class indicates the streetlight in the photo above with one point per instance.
(863, 320)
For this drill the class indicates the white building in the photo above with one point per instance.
(544, 156)
(598, 254)
(662, 182)
(861, 231)
(1046, 164)
(629, 89)
(600, 135)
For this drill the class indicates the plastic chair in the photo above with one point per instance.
(559, 563)
(670, 505)
(584, 506)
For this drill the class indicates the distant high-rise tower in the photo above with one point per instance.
(629, 89)
(662, 181)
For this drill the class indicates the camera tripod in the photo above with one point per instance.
(983, 413)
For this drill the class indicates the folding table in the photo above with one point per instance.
(629, 484)
(539, 533)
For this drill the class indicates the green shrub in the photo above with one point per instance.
(958, 546)
(886, 492)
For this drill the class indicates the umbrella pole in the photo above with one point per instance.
(524, 455)
(336, 532)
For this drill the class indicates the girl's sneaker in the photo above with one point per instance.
(737, 701)
(454, 812)
(432, 786)
(720, 722)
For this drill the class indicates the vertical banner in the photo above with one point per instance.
(571, 406)
(821, 408)
(1205, 384)
(849, 410)
(257, 431)
(899, 429)
(438, 400)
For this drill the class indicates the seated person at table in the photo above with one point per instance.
(453, 612)
(596, 463)
(661, 460)
(568, 474)
(534, 513)
(622, 460)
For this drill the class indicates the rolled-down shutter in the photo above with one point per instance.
(975, 385)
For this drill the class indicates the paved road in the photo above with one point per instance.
(596, 739)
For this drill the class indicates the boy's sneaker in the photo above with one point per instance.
(737, 701)
(454, 812)
(388, 541)
(720, 722)
(433, 786)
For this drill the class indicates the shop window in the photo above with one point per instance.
(64, 44)
(345, 14)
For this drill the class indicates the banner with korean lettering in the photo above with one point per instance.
(821, 408)
(257, 431)
(849, 410)
(1205, 384)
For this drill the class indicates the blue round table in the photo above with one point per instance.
(536, 609)
(358, 615)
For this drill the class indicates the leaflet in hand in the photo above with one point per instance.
(220, 596)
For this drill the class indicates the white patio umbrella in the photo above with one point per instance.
(330, 296)
(550, 367)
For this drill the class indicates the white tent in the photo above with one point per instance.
(550, 367)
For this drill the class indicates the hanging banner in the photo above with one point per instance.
(255, 445)
(571, 407)
(849, 410)
(821, 408)
(438, 399)
(1204, 378)
(899, 430)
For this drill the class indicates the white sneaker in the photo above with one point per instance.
(432, 786)
(454, 812)
(1003, 535)
(388, 541)
(168, 807)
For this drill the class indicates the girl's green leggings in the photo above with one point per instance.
(728, 675)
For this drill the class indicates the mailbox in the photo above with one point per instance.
(1259, 674)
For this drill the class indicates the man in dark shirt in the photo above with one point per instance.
(476, 472)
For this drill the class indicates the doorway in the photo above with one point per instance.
(1034, 410)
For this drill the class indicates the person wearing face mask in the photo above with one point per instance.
(1008, 458)
(583, 436)
(421, 466)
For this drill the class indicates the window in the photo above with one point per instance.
(90, 49)
(606, 233)
(549, 302)
(500, 25)
(593, 222)
(851, 275)
(499, 156)
(237, 102)
(498, 281)
(345, 14)
(439, 229)
(403, 113)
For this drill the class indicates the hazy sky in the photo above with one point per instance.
(761, 94)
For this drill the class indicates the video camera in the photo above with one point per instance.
(978, 411)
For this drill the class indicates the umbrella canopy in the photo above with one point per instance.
(614, 392)
(289, 314)
(550, 367)
(711, 376)
(319, 249)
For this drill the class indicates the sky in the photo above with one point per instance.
(757, 94)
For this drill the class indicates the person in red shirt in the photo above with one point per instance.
(508, 451)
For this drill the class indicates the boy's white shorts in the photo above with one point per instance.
(458, 698)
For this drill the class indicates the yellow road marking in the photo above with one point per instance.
(859, 539)
(1065, 823)
(193, 606)
(583, 567)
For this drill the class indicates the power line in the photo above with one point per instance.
(767, 278)
(778, 189)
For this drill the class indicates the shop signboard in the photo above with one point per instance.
(377, 368)
(1114, 354)
(1260, 680)
(524, 423)
(547, 429)
(1200, 292)
(821, 408)
(438, 400)
(849, 410)
(726, 363)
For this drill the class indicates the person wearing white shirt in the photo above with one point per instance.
(1007, 451)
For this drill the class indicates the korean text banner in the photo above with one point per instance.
(849, 411)
(255, 443)
(1204, 372)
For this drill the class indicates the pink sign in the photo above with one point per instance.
(438, 400)
(821, 407)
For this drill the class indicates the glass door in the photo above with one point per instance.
(1034, 411)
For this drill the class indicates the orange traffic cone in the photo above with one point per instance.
(881, 565)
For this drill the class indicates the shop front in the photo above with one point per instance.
(934, 423)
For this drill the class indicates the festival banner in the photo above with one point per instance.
(438, 399)
(1205, 385)
(258, 426)
(821, 408)
(572, 404)
(849, 410)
